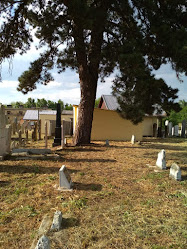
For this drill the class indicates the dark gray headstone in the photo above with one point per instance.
(183, 130)
(57, 139)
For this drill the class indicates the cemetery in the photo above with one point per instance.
(109, 194)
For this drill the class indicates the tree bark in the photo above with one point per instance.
(88, 61)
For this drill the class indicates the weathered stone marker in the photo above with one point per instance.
(64, 178)
(133, 139)
(57, 221)
(43, 243)
(175, 172)
(107, 143)
(161, 160)
(57, 139)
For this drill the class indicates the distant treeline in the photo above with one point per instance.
(41, 103)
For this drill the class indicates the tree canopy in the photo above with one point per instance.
(96, 37)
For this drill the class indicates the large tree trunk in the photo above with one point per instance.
(85, 115)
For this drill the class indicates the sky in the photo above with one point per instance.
(65, 85)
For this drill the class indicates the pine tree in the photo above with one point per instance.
(95, 37)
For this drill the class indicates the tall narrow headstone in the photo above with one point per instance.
(183, 129)
(170, 129)
(62, 134)
(45, 134)
(133, 139)
(57, 139)
(161, 160)
(176, 130)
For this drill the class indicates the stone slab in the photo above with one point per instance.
(43, 243)
(33, 151)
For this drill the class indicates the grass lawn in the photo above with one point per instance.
(118, 201)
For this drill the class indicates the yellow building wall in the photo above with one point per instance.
(110, 125)
(47, 118)
(148, 125)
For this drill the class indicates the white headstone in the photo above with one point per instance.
(175, 172)
(161, 160)
(43, 243)
(64, 178)
(57, 221)
(133, 139)
(173, 131)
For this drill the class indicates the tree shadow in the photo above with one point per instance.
(70, 222)
(4, 183)
(90, 160)
(80, 149)
(20, 169)
(86, 187)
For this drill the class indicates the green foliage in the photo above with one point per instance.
(178, 117)
(97, 102)
(97, 37)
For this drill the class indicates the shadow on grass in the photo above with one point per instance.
(90, 160)
(20, 169)
(70, 222)
(86, 187)
(79, 149)
(4, 183)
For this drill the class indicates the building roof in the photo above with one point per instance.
(112, 104)
(33, 114)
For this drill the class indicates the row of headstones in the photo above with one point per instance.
(5, 133)
(174, 130)
(44, 242)
(175, 171)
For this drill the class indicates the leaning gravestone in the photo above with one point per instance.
(175, 172)
(64, 179)
(183, 130)
(161, 160)
(5, 133)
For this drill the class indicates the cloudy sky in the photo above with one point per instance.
(65, 86)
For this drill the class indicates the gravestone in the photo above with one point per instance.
(173, 131)
(57, 221)
(161, 160)
(107, 142)
(26, 134)
(5, 133)
(175, 172)
(183, 129)
(166, 127)
(176, 130)
(64, 178)
(62, 134)
(170, 129)
(57, 139)
(43, 243)
(133, 139)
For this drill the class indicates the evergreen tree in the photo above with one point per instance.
(134, 36)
